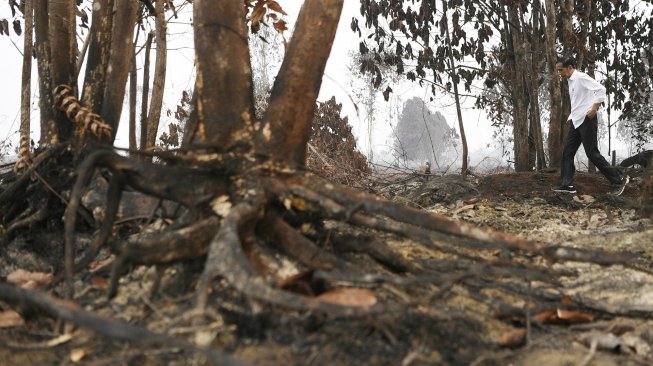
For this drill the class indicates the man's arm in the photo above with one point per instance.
(597, 91)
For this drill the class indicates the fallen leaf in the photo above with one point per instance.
(64, 338)
(22, 278)
(575, 316)
(77, 354)
(584, 198)
(10, 319)
(355, 297)
(515, 337)
(545, 317)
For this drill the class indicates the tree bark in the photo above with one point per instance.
(26, 90)
(455, 79)
(119, 61)
(555, 121)
(225, 102)
(42, 48)
(98, 55)
(159, 81)
(146, 91)
(292, 102)
(519, 94)
(62, 22)
(537, 65)
(133, 80)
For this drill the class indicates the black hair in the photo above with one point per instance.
(566, 62)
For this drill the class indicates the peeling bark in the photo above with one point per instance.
(555, 121)
(26, 87)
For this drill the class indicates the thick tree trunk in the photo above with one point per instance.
(64, 55)
(159, 81)
(555, 122)
(119, 62)
(225, 104)
(146, 91)
(98, 55)
(517, 64)
(26, 89)
(287, 123)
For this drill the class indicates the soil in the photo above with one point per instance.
(465, 324)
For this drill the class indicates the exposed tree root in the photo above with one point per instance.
(109, 328)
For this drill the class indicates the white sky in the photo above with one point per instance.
(180, 77)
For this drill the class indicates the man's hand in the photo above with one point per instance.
(592, 111)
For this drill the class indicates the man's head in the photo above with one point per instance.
(565, 67)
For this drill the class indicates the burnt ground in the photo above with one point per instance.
(466, 324)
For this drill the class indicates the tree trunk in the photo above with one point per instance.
(42, 48)
(537, 64)
(119, 61)
(223, 85)
(63, 55)
(146, 91)
(555, 122)
(159, 81)
(133, 81)
(517, 63)
(26, 89)
(455, 79)
(98, 55)
(292, 102)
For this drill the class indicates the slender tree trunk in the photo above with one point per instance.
(455, 79)
(159, 81)
(292, 102)
(133, 80)
(63, 55)
(120, 60)
(98, 55)
(555, 122)
(537, 64)
(42, 49)
(26, 90)
(146, 91)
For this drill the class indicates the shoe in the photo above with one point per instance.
(618, 189)
(565, 189)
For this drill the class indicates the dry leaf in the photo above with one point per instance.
(355, 297)
(77, 354)
(10, 319)
(584, 198)
(515, 337)
(545, 317)
(22, 278)
(575, 316)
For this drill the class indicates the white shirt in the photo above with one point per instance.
(584, 93)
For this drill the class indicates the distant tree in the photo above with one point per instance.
(421, 135)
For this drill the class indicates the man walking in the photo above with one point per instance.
(586, 96)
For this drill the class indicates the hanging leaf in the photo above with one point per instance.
(273, 5)
(17, 28)
(280, 26)
(386, 93)
(4, 27)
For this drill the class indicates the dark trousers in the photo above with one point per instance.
(586, 134)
